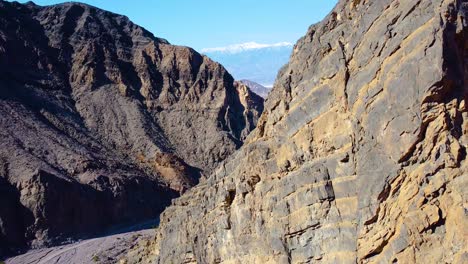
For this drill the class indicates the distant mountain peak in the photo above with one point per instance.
(236, 48)
(252, 61)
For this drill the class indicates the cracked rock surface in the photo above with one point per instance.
(101, 123)
(359, 156)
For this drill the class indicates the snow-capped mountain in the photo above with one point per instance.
(236, 48)
(252, 61)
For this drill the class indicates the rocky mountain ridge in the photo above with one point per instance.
(102, 123)
(359, 157)
(257, 88)
(255, 64)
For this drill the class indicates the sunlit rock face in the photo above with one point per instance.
(101, 123)
(359, 156)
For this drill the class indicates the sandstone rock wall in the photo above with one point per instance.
(359, 156)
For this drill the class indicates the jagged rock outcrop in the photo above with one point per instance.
(257, 88)
(359, 156)
(253, 105)
(102, 123)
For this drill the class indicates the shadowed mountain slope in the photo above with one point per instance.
(102, 123)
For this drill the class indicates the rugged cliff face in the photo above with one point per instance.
(102, 123)
(257, 88)
(360, 155)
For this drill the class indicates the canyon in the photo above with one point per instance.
(102, 123)
(358, 154)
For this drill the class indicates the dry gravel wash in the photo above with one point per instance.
(97, 250)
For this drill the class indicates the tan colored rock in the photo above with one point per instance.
(359, 157)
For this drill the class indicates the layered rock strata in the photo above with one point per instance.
(359, 157)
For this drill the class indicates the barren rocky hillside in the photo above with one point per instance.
(101, 123)
(359, 156)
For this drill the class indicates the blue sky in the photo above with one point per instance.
(218, 23)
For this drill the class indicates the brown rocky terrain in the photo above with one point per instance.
(257, 88)
(359, 156)
(102, 123)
